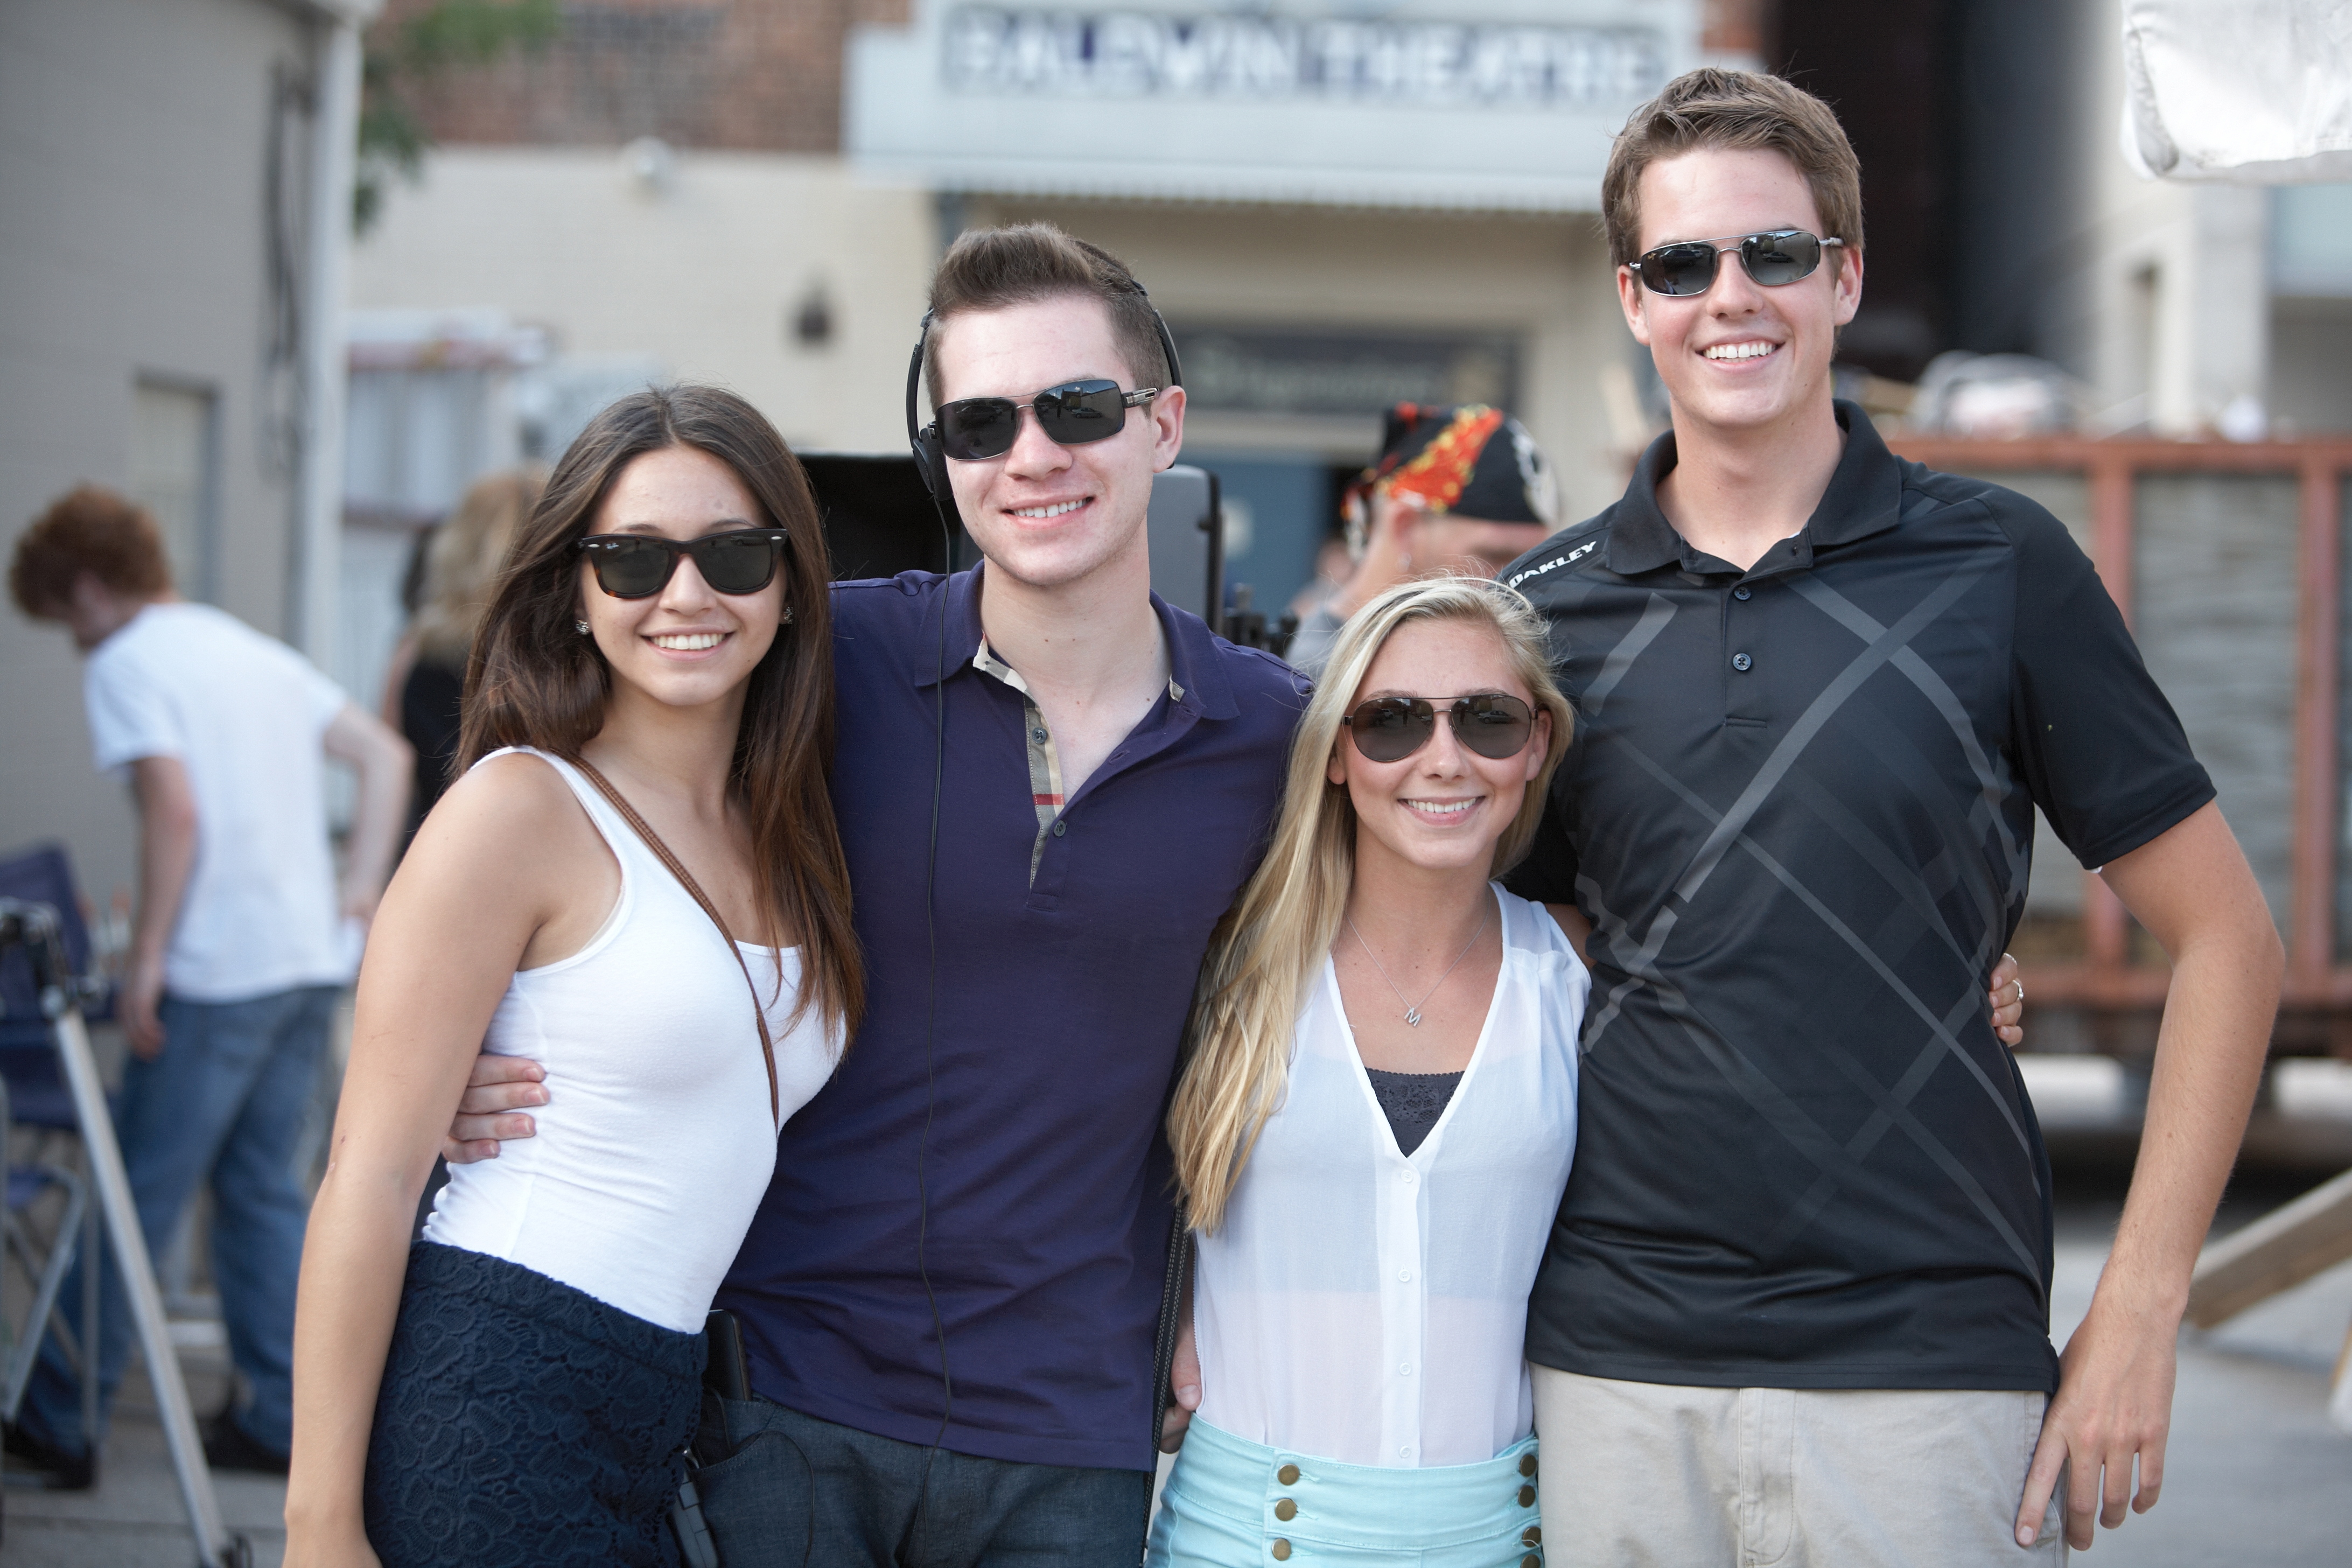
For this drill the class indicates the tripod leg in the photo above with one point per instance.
(139, 1284)
(2339, 1400)
(93, 1231)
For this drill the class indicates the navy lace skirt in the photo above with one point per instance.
(522, 1421)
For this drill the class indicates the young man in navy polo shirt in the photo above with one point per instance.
(950, 1294)
(1795, 1307)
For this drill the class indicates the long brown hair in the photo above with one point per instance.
(532, 680)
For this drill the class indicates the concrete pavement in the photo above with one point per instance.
(2253, 1472)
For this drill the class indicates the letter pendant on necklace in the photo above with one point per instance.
(1413, 1017)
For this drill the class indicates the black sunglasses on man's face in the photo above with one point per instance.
(1774, 258)
(1071, 414)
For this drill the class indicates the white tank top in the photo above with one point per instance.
(655, 1145)
(1367, 1305)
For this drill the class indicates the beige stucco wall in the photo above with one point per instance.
(700, 270)
(133, 135)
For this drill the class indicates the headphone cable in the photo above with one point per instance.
(931, 1024)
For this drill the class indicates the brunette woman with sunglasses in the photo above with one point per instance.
(637, 883)
(1379, 1114)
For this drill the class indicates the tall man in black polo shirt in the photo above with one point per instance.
(1795, 1308)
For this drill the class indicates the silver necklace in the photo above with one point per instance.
(1413, 1009)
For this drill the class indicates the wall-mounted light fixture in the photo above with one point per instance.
(810, 322)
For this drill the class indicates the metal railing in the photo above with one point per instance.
(2106, 977)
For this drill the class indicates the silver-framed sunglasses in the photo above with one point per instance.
(1774, 258)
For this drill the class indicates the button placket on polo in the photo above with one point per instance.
(1045, 762)
(1743, 624)
(1052, 806)
(1741, 628)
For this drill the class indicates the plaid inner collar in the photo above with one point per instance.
(1045, 762)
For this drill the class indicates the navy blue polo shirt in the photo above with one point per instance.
(1060, 1003)
(1799, 812)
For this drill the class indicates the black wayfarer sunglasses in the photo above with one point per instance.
(1071, 414)
(1774, 258)
(1390, 729)
(638, 565)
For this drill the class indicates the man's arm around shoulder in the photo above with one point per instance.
(2191, 889)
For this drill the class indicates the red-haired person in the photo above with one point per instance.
(239, 948)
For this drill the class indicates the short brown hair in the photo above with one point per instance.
(89, 530)
(532, 680)
(990, 268)
(1742, 111)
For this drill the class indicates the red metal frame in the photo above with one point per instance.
(2106, 978)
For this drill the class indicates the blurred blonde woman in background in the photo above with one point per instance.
(1379, 1113)
(428, 666)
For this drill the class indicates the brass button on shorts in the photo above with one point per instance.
(1230, 1503)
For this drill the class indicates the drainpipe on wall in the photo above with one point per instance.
(334, 150)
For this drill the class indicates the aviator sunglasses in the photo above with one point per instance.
(1071, 414)
(638, 565)
(1390, 729)
(1774, 258)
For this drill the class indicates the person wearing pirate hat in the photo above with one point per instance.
(1454, 489)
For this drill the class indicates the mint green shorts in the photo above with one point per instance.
(1235, 1504)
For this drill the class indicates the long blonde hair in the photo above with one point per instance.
(461, 564)
(1270, 945)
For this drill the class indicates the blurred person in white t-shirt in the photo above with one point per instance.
(242, 940)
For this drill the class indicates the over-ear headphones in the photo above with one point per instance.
(931, 457)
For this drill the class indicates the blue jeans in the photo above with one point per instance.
(226, 1099)
(798, 1492)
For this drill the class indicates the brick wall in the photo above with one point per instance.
(762, 75)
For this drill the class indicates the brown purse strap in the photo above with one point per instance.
(686, 879)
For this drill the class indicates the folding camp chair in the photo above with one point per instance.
(33, 1095)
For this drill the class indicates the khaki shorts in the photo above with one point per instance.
(1646, 1473)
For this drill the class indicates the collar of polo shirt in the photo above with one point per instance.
(1865, 497)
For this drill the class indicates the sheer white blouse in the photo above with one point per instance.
(1370, 1307)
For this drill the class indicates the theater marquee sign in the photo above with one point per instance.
(1508, 105)
(1137, 54)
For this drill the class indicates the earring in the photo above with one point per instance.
(787, 618)
(580, 626)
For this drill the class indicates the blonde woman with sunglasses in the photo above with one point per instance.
(1379, 1115)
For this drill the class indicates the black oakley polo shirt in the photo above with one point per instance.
(1798, 810)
